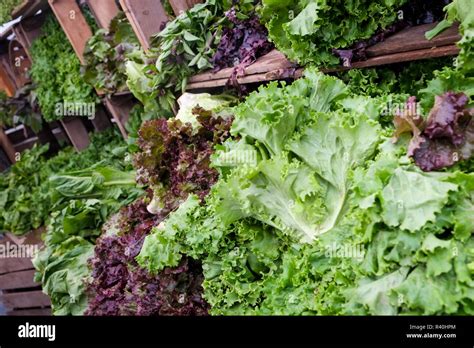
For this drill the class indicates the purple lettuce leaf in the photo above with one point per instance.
(120, 287)
(449, 133)
(240, 45)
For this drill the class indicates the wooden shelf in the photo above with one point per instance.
(407, 45)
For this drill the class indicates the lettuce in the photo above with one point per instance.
(316, 211)
(306, 31)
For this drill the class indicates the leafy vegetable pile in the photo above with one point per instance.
(173, 160)
(25, 196)
(82, 200)
(318, 197)
(319, 32)
(21, 189)
(106, 53)
(293, 226)
(56, 71)
(194, 41)
(120, 287)
(241, 44)
(307, 31)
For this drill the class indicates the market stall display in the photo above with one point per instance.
(323, 164)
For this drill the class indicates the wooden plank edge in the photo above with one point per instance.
(270, 61)
(42, 312)
(27, 299)
(109, 104)
(278, 74)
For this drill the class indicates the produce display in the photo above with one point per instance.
(344, 191)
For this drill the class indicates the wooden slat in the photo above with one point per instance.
(28, 30)
(6, 69)
(146, 18)
(119, 108)
(74, 24)
(6, 84)
(271, 61)
(27, 299)
(104, 11)
(19, 62)
(77, 132)
(32, 237)
(18, 280)
(30, 312)
(403, 57)
(180, 6)
(376, 61)
(15, 264)
(413, 39)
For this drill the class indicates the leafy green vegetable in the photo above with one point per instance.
(26, 197)
(306, 159)
(307, 31)
(106, 53)
(84, 200)
(184, 47)
(63, 273)
(6, 9)
(56, 72)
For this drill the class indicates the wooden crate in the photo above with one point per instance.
(103, 11)
(146, 17)
(19, 294)
(407, 45)
(74, 24)
(180, 6)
